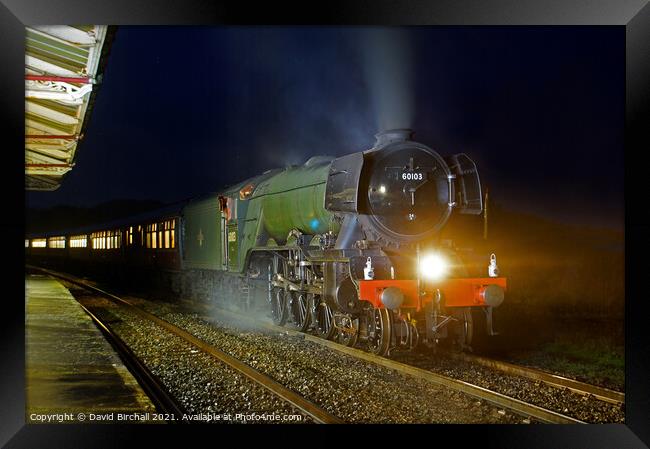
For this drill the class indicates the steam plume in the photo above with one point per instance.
(387, 61)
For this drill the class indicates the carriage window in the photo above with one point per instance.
(152, 239)
(160, 235)
(172, 234)
(39, 243)
(56, 242)
(106, 239)
(169, 233)
(26, 243)
(96, 239)
(78, 241)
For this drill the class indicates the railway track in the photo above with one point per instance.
(553, 380)
(600, 393)
(556, 381)
(153, 386)
(315, 412)
(515, 405)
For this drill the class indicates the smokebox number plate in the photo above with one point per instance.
(413, 176)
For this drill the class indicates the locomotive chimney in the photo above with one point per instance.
(392, 135)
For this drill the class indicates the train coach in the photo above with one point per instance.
(135, 247)
(349, 248)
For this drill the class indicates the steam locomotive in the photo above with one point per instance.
(348, 248)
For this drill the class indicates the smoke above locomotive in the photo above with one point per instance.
(388, 71)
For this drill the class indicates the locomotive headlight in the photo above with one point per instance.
(433, 266)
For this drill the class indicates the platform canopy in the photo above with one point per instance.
(63, 67)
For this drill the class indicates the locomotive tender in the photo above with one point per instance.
(348, 247)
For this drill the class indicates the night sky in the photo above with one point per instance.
(186, 111)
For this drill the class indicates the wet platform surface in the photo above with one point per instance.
(70, 367)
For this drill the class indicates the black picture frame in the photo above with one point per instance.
(634, 16)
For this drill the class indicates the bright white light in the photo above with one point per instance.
(382, 189)
(433, 266)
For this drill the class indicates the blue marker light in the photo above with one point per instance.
(314, 224)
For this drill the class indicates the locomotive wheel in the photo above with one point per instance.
(379, 328)
(300, 310)
(349, 335)
(324, 325)
(279, 310)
